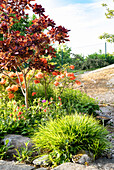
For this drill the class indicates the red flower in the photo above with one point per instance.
(78, 82)
(39, 75)
(44, 110)
(72, 78)
(22, 117)
(11, 96)
(36, 81)
(34, 93)
(2, 81)
(72, 67)
(56, 83)
(49, 103)
(51, 98)
(54, 73)
(44, 60)
(20, 113)
(59, 98)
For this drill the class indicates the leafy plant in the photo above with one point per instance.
(24, 154)
(64, 137)
(4, 149)
(76, 100)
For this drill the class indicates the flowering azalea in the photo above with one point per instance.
(72, 67)
(34, 93)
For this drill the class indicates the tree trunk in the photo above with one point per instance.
(26, 98)
(26, 93)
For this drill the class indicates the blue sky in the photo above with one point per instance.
(66, 2)
(86, 20)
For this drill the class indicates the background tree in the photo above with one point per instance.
(16, 49)
(63, 56)
(109, 14)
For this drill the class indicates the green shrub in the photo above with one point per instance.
(16, 118)
(62, 138)
(76, 100)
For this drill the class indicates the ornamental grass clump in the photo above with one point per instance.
(64, 137)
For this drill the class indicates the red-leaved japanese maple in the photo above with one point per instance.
(17, 51)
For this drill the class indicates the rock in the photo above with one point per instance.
(73, 166)
(11, 165)
(83, 157)
(44, 160)
(17, 142)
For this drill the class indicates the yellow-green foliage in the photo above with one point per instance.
(64, 137)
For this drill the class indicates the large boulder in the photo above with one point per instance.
(16, 142)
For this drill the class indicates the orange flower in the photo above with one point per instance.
(59, 98)
(56, 83)
(36, 81)
(8, 88)
(12, 74)
(3, 5)
(78, 82)
(72, 78)
(62, 75)
(21, 79)
(20, 113)
(44, 60)
(70, 74)
(34, 93)
(54, 73)
(51, 98)
(11, 96)
(58, 78)
(72, 67)
(49, 103)
(39, 75)
(14, 88)
(23, 85)
(2, 81)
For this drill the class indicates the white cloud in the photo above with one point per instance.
(86, 22)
